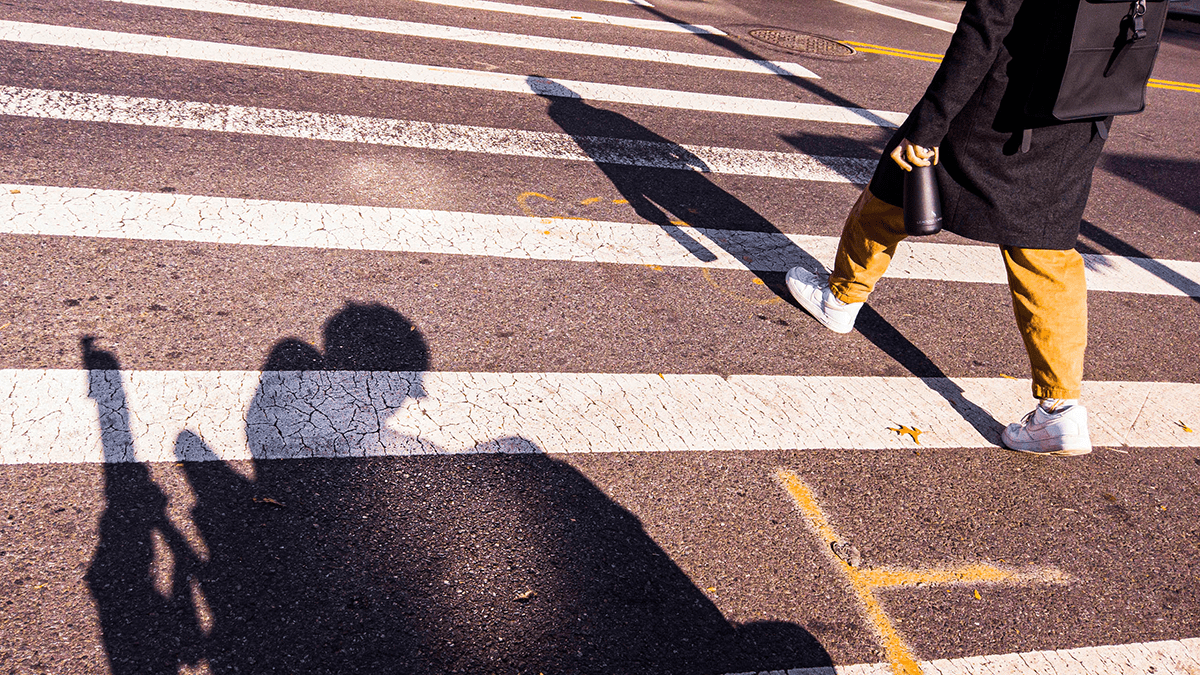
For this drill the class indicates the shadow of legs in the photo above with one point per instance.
(893, 343)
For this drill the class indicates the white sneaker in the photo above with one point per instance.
(1060, 433)
(813, 294)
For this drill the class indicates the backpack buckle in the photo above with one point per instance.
(1137, 12)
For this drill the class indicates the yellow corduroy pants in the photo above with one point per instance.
(1049, 292)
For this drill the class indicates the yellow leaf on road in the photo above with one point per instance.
(911, 431)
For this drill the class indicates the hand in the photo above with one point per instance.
(916, 154)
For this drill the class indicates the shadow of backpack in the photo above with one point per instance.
(1096, 62)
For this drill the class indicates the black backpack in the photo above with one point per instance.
(1097, 60)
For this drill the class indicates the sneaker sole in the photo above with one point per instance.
(815, 311)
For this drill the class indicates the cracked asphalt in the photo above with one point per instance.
(693, 561)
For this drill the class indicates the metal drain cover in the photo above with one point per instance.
(801, 42)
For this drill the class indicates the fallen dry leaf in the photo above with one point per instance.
(526, 595)
(1185, 427)
(911, 431)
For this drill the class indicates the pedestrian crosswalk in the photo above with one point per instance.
(97, 212)
(243, 55)
(175, 114)
(116, 214)
(482, 37)
(207, 146)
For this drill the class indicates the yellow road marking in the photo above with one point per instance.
(707, 274)
(937, 58)
(523, 200)
(1195, 89)
(892, 51)
(620, 201)
(1171, 84)
(895, 49)
(898, 577)
(865, 582)
(590, 200)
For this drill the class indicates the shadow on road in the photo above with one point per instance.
(420, 564)
(1171, 179)
(1118, 246)
(675, 200)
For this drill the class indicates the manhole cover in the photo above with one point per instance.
(800, 42)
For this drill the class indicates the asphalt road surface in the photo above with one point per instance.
(450, 336)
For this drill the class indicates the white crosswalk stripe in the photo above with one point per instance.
(903, 15)
(49, 416)
(216, 52)
(587, 17)
(80, 212)
(140, 111)
(57, 416)
(486, 37)
(1141, 658)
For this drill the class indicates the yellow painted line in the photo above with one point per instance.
(904, 56)
(895, 649)
(893, 577)
(1194, 89)
(590, 200)
(864, 582)
(937, 58)
(891, 51)
(1181, 84)
(523, 201)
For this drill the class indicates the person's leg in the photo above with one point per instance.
(869, 239)
(868, 242)
(1049, 295)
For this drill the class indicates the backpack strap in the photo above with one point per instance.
(1135, 29)
(1026, 139)
(1101, 127)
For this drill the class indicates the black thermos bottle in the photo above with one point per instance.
(922, 202)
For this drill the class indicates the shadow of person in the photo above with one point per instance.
(546, 573)
(430, 563)
(285, 586)
(146, 627)
(1101, 237)
(670, 198)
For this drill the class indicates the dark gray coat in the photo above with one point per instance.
(975, 111)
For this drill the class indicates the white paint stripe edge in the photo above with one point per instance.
(640, 3)
(910, 17)
(214, 52)
(46, 416)
(105, 108)
(493, 38)
(551, 13)
(84, 212)
(1173, 657)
